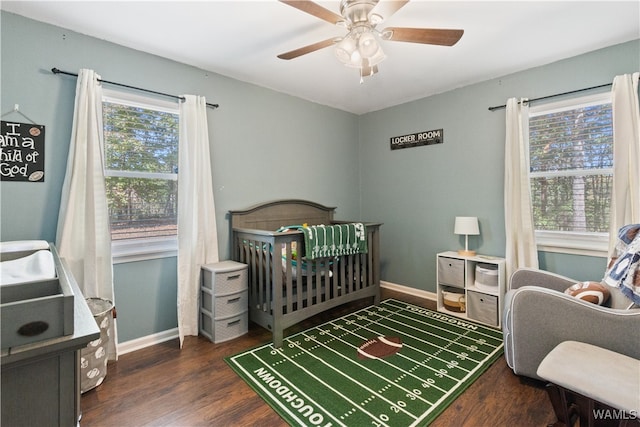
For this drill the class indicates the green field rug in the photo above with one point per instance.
(395, 364)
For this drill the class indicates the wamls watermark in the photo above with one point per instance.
(614, 414)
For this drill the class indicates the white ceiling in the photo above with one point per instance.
(241, 39)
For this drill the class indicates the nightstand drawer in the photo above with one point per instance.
(225, 277)
(223, 329)
(451, 271)
(231, 305)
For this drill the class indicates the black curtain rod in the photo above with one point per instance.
(181, 98)
(499, 107)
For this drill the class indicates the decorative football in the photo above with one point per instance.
(592, 292)
(380, 347)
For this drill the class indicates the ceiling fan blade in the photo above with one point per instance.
(314, 9)
(423, 35)
(308, 49)
(385, 8)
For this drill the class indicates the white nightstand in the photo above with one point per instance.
(471, 287)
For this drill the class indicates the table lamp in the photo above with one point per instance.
(467, 225)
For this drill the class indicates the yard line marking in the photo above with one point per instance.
(370, 370)
(462, 356)
(431, 355)
(446, 348)
(476, 350)
(402, 332)
(434, 319)
(392, 366)
(430, 324)
(333, 389)
(373, 392)
(400, 354)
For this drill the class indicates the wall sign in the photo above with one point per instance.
(21, 152)
(429, 137)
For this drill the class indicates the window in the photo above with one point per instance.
(571, 176)
(141, 170)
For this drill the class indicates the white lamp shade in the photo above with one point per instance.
(466, 225)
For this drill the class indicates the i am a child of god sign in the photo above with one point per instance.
(21, 152)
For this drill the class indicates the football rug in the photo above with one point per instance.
(395, 364)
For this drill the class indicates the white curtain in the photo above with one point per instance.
(521, 250)
(83, 237)
(625, 199)
(197, 233)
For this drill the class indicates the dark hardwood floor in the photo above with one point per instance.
(165, 386)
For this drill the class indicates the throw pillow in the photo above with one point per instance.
(592, 292)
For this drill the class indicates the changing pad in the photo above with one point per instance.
(37, 266)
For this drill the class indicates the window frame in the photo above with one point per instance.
(146, 248)
(571, 242)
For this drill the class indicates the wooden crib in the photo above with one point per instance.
(285, 289)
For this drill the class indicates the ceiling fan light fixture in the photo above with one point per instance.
(347, 50)
(370, 49)
(359, 46)
(367, 45)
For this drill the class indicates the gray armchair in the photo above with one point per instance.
(538, 315)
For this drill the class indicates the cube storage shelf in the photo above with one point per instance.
(224, 301)
(471, 287)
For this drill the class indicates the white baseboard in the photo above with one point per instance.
(408, 290)
(149, 340)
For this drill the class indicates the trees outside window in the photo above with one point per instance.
(141, 166)
(571, 160)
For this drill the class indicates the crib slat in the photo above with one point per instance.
(289, 285)
(332, 285)
(245, 258)
(298, 284)
(358, 282)
(343, 278)
(317, 295)
(255, 268)
(263, 275)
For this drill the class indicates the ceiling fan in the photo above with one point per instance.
(360, 47)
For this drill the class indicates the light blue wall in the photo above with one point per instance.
(261, 145)
(417, 192)
(146, 296)
(261, 142)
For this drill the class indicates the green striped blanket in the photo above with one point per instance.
(323, 241)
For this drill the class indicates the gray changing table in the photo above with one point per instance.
(41, 380)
